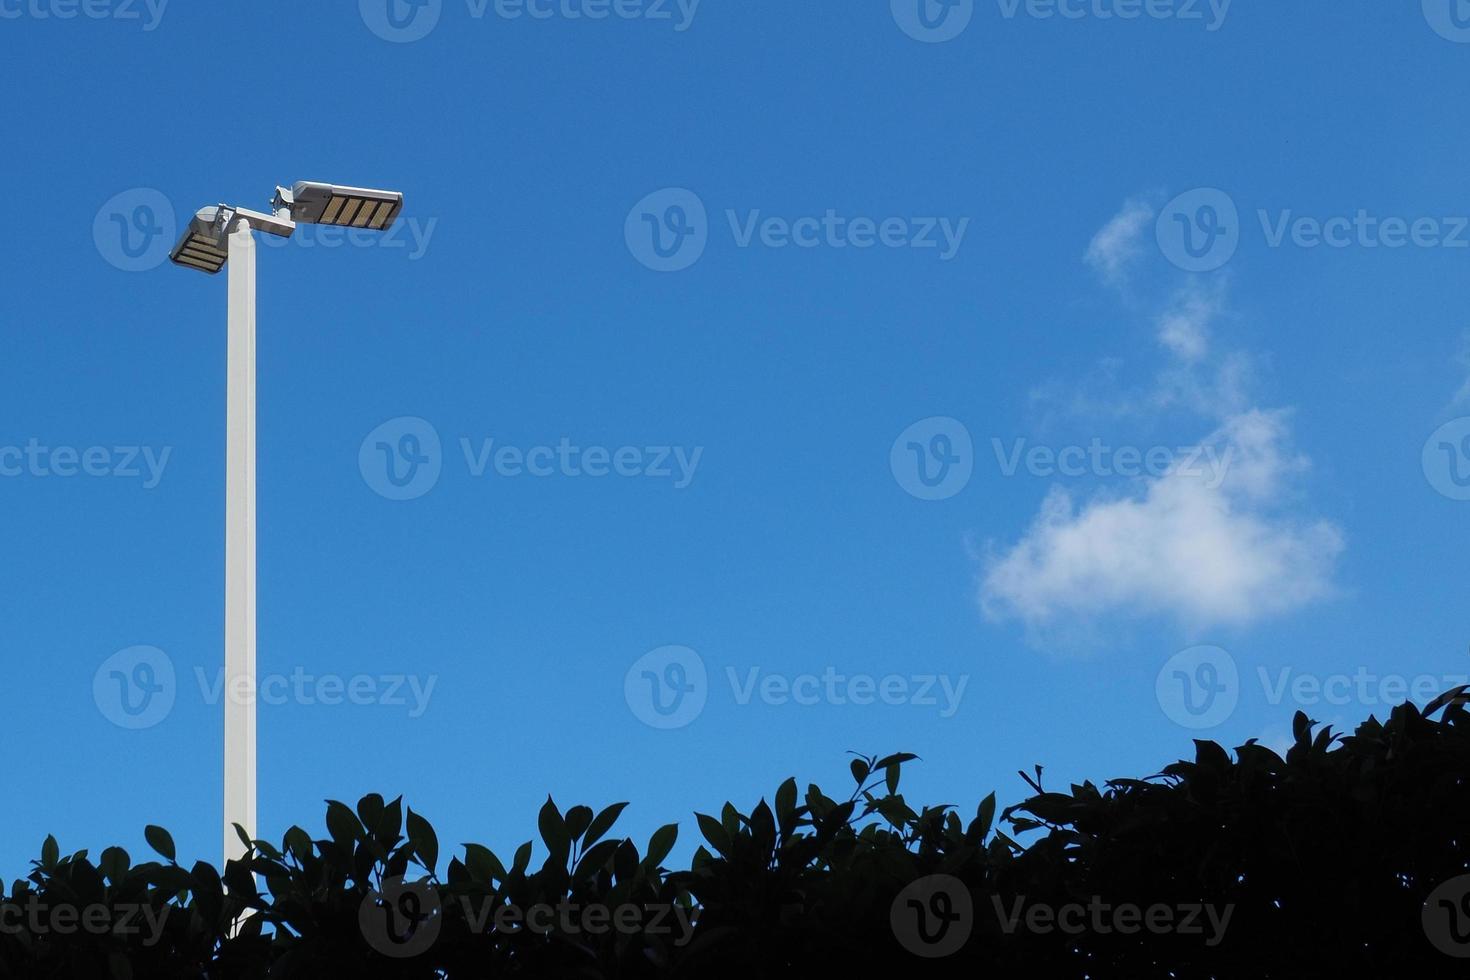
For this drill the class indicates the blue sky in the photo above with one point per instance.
(920, 426)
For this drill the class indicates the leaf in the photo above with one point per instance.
(425, 841)
(1453, 695)
(786, 805)
(1209, 755)
(50, 853)
(209, 892)
(343, 824)
(984, 817)
(625, 860)
(522, 859)
(603, 823)
(160, 840)
(114, 865)
(596, 857)
(483, 864)
(890, 777)
(389, 823)
(661, 844)
(860, 770)
(715, 833)
(578, 819)
(297, 843)
(369, 809)
(763, 826)
(553, 829)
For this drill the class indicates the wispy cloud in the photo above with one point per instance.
(1118, 245)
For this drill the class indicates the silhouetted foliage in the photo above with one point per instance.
(1316, 865)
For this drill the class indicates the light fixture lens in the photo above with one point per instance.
(380, 220)
(200, 247)
(347, 207)
(349, 212)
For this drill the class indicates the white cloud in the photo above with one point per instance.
(1186, 545)
(1119, 243)
(1176, 546)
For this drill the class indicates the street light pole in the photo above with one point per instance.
(240, 621)
(216, 237)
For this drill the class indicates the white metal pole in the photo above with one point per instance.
(240, 682)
